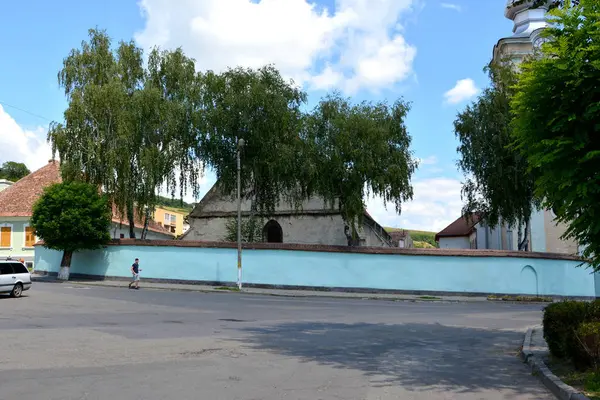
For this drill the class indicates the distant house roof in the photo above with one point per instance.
(463, 226)
(396, 236)
(18, 199)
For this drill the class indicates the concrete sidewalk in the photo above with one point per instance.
(145, 285)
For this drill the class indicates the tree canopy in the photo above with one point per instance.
(498, 184)
(13, 171)
(262, 108)
(127, 129)
(358, 150)
(556, 108)
(131, 129)
(70, 217)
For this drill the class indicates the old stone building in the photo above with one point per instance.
(313, 224)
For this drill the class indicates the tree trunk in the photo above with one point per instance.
(146, 221)
(524, 244)
(65, 266)
(131, 219)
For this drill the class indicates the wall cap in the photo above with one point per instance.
(343, 249)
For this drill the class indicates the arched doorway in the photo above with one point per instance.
(272, 232)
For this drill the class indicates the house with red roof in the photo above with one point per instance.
(17, 238)
(470, 232)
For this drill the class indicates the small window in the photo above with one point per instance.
(167, 218)
(19, 268)
(29, 236)
(6, 269)
(5, 236)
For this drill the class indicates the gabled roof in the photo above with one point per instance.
(18, 199)
(463, 226)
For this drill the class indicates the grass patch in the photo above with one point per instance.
(587, 382)
(430, 298)
(533, 299)
(228, 288)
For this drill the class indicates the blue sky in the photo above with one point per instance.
(369, 49)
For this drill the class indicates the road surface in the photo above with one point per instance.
(65, 341)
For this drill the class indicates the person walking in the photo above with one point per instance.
(135, 272)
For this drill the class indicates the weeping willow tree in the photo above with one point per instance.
(126, 128)
(357, 150)
(263, 109)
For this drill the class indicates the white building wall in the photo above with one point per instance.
(307, 229)
(117, 229)
(461, 242)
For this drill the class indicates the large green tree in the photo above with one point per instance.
(123, 125)
(556, 108)
(263, 109)
(498, 183)
(13, 171)
(70, 217)
(357, 150)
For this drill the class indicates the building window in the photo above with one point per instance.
(173, 219)
(6, 236)
(29, 236)
(167, 218)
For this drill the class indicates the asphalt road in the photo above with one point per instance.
(71, 342)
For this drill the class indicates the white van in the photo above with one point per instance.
(14, 278)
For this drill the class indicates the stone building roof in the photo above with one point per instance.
(463, 226)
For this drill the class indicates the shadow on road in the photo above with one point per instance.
(412, 355)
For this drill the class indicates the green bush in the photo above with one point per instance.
(561, 323)
(588, 336)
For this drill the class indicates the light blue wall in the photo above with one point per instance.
(483, 274)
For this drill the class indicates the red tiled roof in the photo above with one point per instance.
(17, 200)
(463, 226)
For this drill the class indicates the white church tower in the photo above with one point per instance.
(528, 24)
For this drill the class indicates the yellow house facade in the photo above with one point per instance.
(169, 219)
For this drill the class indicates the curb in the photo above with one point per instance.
(243, 292)
(560, 389)
(300, 296)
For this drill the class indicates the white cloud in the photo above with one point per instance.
(451, 6)
(359, 45)
(436, 203)
(463, 90)
(22, 145)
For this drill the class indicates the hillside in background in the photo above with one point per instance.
(421, 239)
(175, 205)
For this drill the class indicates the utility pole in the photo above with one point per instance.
(240, 145)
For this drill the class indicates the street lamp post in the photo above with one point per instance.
(240, 145)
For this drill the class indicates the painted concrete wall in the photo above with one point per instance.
(307, 229)
(17, 249)
(461, 242)
(485, 274)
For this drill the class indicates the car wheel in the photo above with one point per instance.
(17, 291)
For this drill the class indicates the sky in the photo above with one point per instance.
(431, 53)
